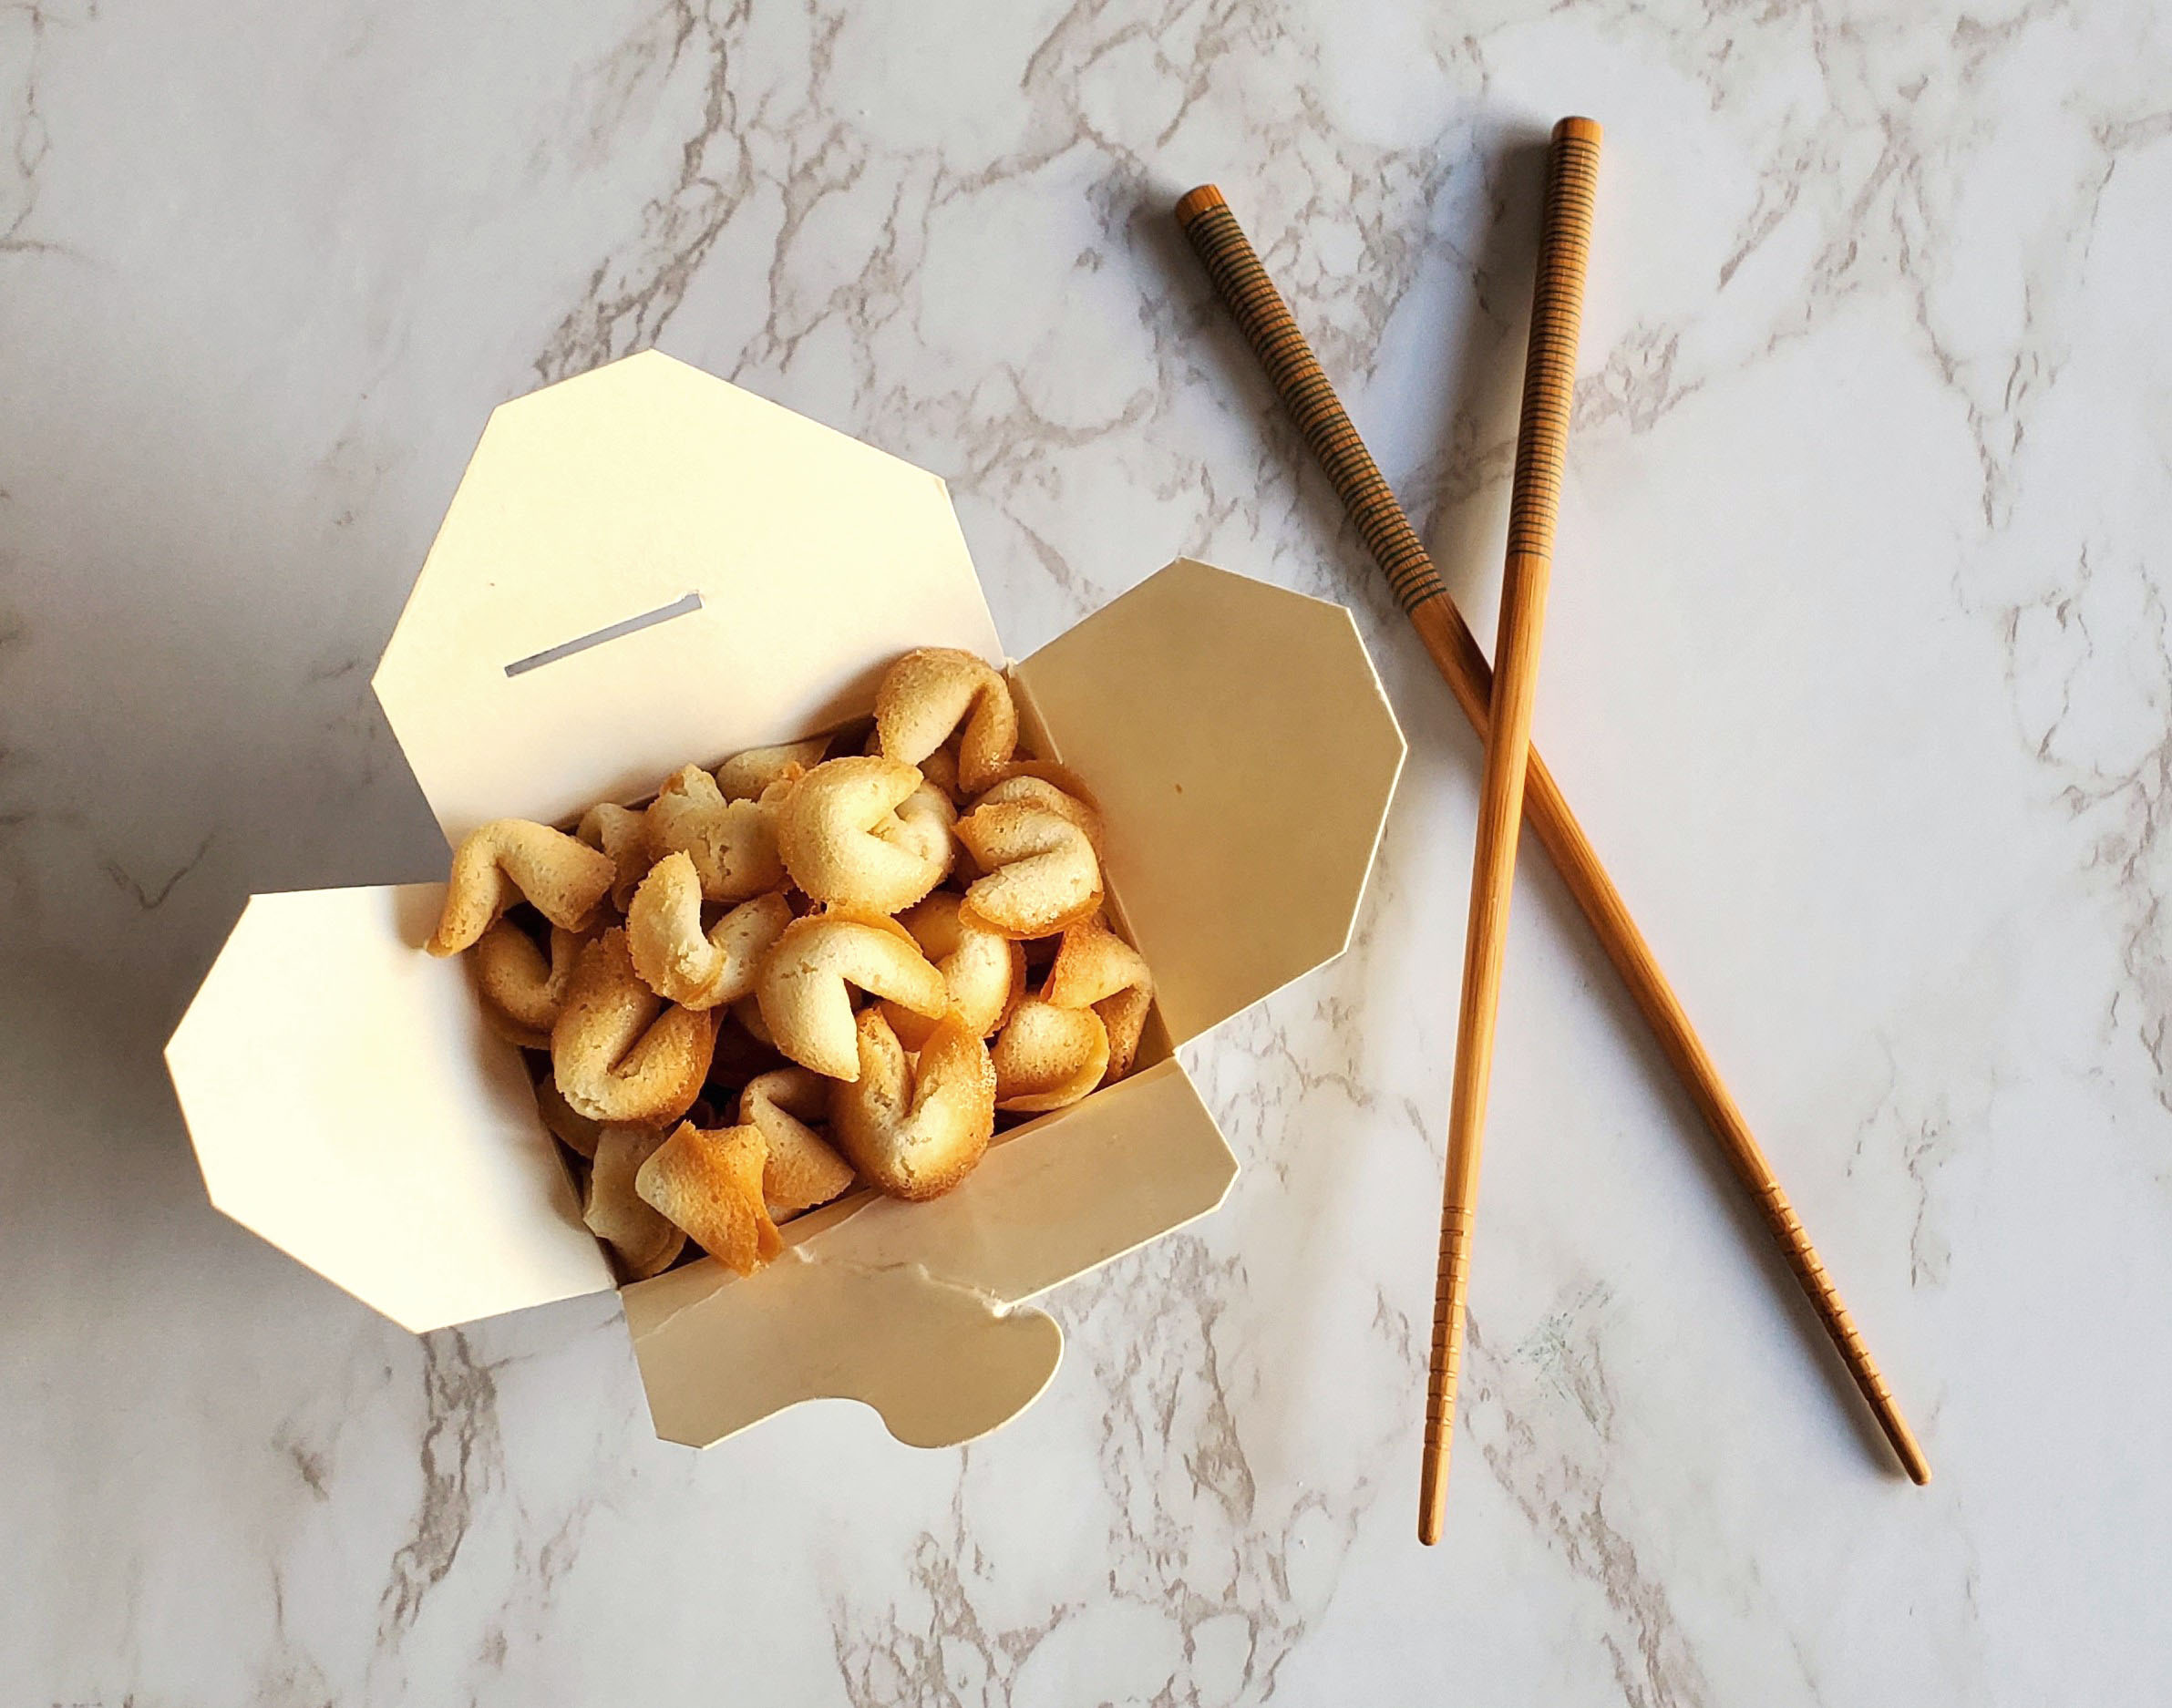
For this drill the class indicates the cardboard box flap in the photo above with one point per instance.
(833, 1316)
(348, 1103)
(938, 1364)
(783, 565)
(1244, 755)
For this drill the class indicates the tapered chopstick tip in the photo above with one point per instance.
(1433, 1497)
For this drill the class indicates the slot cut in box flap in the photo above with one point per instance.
(813, 561)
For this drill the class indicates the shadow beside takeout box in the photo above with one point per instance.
(348, 1103)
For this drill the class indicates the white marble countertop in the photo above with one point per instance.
(1859, 670)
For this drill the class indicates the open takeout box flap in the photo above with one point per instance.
(830, 1318)
(815, 560)
(940, 1365)
(348, 1104)
(1244, 757)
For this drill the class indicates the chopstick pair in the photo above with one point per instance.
(1516, 782)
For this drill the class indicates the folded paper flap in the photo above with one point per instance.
(1244, 757)
(1050, 1202)
(782, 565)
(940, 1363)
(348, 1103)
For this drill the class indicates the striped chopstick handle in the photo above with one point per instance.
(1264, 319)
(1556, 315)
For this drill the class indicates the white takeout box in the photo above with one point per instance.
(348, 1103)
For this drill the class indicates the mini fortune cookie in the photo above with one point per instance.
(509, 860)
(1096, 969)
(923, 828)
(845, 840)
(1047, 1056)
(940, 768)
(747, 1012)
(916, 1127)
(800, 1170)
(572, 1129)
(927, 694)
(623, 834)
(732, 843)
(1040, 871)
(924, 818)
(618, 1054)
(673, 955)
(521, 992)
(805, 999)
(645, 1242)
(710, 1184)
(747, 775)
(1050, 786)
(985, 970)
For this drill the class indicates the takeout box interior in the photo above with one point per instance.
(348, 1104)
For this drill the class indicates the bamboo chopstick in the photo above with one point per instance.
(1298, 379)
(1541, 445)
